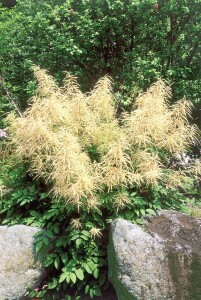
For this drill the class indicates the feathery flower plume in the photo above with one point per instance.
(95, 232)
(74, 141)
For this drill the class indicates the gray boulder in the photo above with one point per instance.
(160, 261)
(20, 270)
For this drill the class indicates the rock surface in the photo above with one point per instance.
(160, 261)
(19, 268)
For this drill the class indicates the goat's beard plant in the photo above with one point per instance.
(75, 141)
(98, 167)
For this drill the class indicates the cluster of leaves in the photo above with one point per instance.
(60, 35)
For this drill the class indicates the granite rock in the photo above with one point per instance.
(20, 269)
(161, 260)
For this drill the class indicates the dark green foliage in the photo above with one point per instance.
(130, 40)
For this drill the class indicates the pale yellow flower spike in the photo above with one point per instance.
(76, 223)
(121, 201)
(95, 232)
(63, 128)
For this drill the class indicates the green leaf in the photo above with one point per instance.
(86, 233)
(56, 262)
(64, 258)
(52, 284)
(38, 245)
(78, 242)
(139, 221)
(10, 211)
(91, 265)
(79, 273)
(48, 261)
(72, 263)
(97, 292)
(49, 234)
(73, 277)
(41, 294)
(84, 237)
(91, 293)
(63, 277)
(87, 289)
(59, 243)
(96, 273)
(87, 268)
(46, 241)
(74, 237)
(32, 294)
(150, 211)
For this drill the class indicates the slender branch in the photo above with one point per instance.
(3, 85)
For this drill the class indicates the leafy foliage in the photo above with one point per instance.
(91, 39)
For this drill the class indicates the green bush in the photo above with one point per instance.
(91, 39)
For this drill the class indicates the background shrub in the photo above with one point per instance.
(91, 39)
